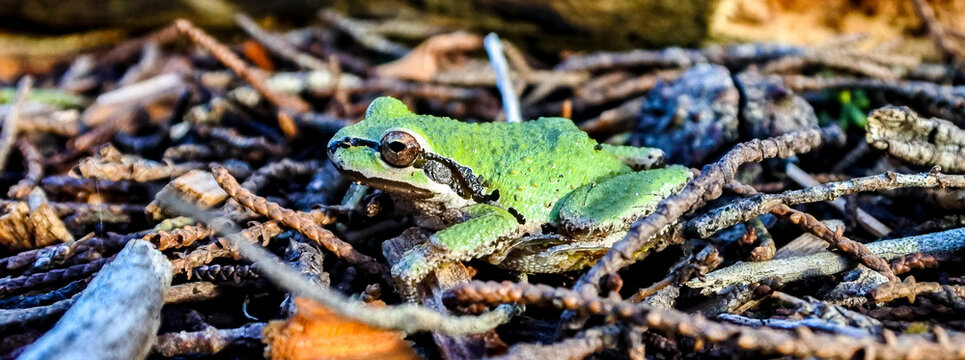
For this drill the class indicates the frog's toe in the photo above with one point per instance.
(414, 265)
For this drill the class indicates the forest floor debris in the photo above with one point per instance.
(209, 158)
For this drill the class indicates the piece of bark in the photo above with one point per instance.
(24, 317)
(307, 259)
(117, 316)
(192, 292)
(207, 342)
(917, 139)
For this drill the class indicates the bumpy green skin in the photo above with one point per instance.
(532, 164)
(612, 204)
(485, 224)
(546, 171)
(638, 158)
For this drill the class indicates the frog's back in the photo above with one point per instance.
(532, 164)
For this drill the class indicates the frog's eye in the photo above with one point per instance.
(399, 148)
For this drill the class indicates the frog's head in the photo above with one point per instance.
(389, 150)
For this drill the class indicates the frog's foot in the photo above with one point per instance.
(478, 236)
(415, 265)
(551, 254)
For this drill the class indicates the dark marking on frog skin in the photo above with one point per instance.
(439, 173)
(351, 142)
(437, 168)
(519, 217)
(459, 178)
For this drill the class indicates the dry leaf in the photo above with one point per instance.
(315, 332)
(32, 226)
(111, 164)
(437, 54)
(16, 231)
(197, 186)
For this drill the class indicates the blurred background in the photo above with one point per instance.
(40, 33)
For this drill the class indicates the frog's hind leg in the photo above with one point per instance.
(549, 253)
(597, 210)
(638, 158)
(475, 237)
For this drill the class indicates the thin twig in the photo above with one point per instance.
(494, 47)
(795, 343)
(944, 44)
(63, 293)
(278, 45)
(186, 263)
(578, 347)
(941, 100)
(178, 238)
(27, 282)
(865, 219)
(28, 315)
(826, 263)
(34, 163)
(749, 208)
(910, 289)
(362, 33)
(695, 265)
(407, 318)
(288, 105)
(705, 187)
(192, 292)
(914, 261)
(10, 124)
(836, 239)
(302, 222)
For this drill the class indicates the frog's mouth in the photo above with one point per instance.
(392, 186)
(395, 187)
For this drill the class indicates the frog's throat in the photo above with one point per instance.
(395, 187)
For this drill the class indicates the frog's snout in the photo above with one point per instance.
(335, 144)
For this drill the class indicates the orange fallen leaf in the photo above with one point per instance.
(436, 54)
(258, 55)
(316, 333)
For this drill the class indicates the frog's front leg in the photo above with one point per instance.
(477, 236)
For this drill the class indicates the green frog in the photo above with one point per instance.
(538, 196)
